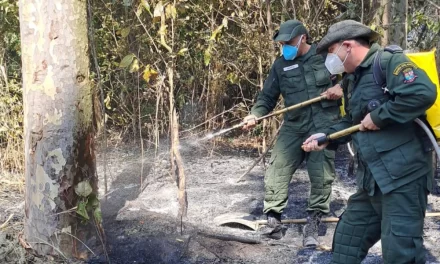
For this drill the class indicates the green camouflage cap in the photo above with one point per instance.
(347, 29)
(290, 29)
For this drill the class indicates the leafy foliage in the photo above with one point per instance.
(11, 109)
(221, 51)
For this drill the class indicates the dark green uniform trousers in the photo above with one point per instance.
(286, 156)
(396, 218)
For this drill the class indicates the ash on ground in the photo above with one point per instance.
(142, 224)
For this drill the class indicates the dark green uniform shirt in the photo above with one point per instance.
(298, 80)
(393, 155)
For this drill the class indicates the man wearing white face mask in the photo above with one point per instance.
(394, 173)
(298, 75)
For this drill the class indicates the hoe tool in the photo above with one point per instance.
(252, 222)
(297, 106)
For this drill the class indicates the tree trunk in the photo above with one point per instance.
(386, 21)
(61, 183)
(176, 158)
(399, 28)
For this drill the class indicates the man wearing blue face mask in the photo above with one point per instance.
(298, 75)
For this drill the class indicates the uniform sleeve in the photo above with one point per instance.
(268, 97)
(411, 91)
(344, 123)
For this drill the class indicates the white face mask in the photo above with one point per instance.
(334, 64)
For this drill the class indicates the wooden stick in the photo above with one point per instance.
(344, 132)
(292, 107)
(6, 222)
(328, 219)
(226, 237)
(305, 103)
(326, 138)
(301, 221)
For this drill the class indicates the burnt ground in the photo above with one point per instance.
(142, 227)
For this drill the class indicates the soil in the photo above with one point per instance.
(141, 224)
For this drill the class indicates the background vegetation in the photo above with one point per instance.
(220, 50)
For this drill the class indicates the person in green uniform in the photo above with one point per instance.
(298, 75)
(394, 175)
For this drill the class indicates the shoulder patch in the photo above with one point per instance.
(409, 75)
(399, 68)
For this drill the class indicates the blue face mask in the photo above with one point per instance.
(290, 52)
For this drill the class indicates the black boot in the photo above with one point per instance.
(273, 219)
(274, 228)
(310, 230)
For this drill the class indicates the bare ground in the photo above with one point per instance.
(142, 227)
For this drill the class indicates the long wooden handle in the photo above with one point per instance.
(292, 107)
(301, 221)
(328, 219)
(344, 132)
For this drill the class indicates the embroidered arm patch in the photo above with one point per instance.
(409, 75)
(403, 66)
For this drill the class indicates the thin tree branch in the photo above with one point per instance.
(263, 154)
(432, 3)
(362, 11)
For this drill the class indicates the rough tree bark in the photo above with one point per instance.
(394, 22)
(399, 26)
(61, 183)
(386, 21)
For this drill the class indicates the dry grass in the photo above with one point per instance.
(12, 156)
(11, 127)
(12, 182)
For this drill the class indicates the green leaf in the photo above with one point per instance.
(170, 11)
(98, 215)
(83, 188)
(126, 61)
(158, 11)
(146, 5)
(81, 210)
(143, 4)
(216, 32)
(93, 201)
(182, 51)
(139, 10)
(149, 73)
(207, 56)
(233, 78)
(107, 102)
(134, 66)
(125, 32)
(225, 22)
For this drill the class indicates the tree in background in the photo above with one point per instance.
(62, 214)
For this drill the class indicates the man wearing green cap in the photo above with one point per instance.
(394, 175)
(298, 75)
